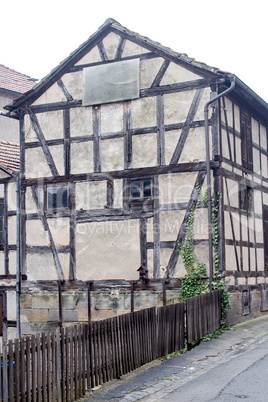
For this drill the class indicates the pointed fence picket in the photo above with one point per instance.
(63, 365)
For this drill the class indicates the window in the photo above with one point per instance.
(141, 189)
(1, 222)
(245, 197)
(246, 141)
(57, 198)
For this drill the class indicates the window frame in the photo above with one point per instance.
(56, 209)
(142, 198)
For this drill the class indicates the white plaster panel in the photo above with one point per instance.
(2, 262)
(224, 141)
(255, 131)
(111, 118)
(60, 230)
(35, 164)
(30, 205)
(259, 230)
(150, 230)
(171, 140)
(244, 227)
(131, 49)
(237, 118)
(35, 267)
(238, 151)
(233, 192)
(195, 147)
(245, 258)
(3, 175)
(2, 190)
(144, 150)
(251, 227)
(230, 260)
(150, 263)
(12, 196)
(201, 224)
(176, 187)
(91, 195)
(112, 154)
(177, 106)
(200, 110)
(180, 270)
(264, 166)
(12, 262)
(57, 153)
(256, 161)
(52, 94)
(118, 193)
(257, 202)
(11, 303)
(144, 112)
(165, 254)
(227, 226)
(170, 223)
(111, 42)
(260, 259)
(91, 57)
(236, 225)
(229, 111)
(12, 230)
(108, 250)
(29, 135)
(82, 157)
(74, 84)
(148, 71)
(263, 137)
(202, 255)
(51, 124)
(176, 74)
(81, 121)
(35, 233)
(265, 198)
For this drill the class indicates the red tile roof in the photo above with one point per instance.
(11, 80)
(10, 155)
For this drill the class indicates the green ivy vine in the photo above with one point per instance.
(195, 281)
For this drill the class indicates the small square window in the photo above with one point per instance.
(57, 198)
(141, 189)
(245, 197)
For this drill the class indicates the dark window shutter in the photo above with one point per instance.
(246, 140)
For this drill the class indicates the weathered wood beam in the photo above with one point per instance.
(96, 112)
(182, 232)
(110, 194)
(72, 240)
(43, 143)
(5, 229)
(66, 131)
(227, 128)
(160, 130)
(156, 227)
(127, 122)
(126, 174)
(143, 242)
(186, 127)
(102, 51)
(39, 205)
(64, 90)
(160, 74)
(120, 48)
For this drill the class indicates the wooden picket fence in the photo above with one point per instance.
(62, 365)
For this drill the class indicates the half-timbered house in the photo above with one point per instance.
(113, 144)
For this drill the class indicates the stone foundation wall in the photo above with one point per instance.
(248, 305)
(40, 309)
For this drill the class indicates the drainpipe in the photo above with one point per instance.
(18, 275)
(232, 77)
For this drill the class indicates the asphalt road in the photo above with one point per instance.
(229, 368)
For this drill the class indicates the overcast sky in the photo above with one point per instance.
(37, 35)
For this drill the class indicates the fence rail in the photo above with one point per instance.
(62, 365)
